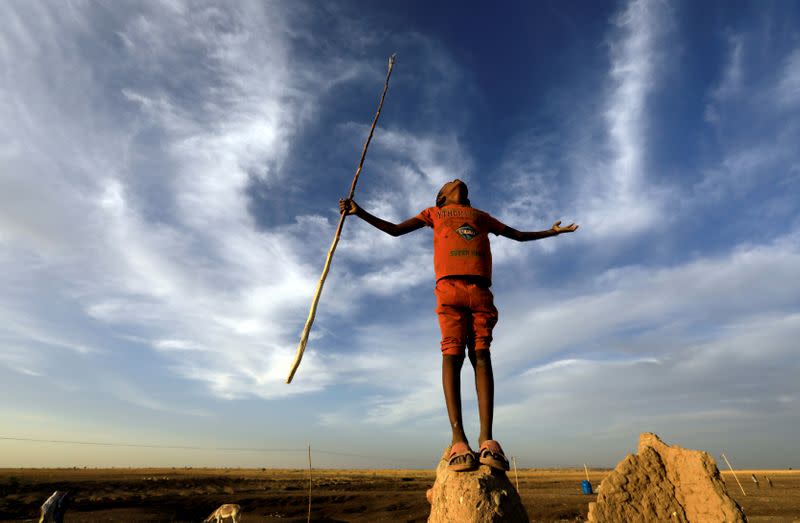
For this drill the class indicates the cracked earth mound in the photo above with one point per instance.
(664, 483)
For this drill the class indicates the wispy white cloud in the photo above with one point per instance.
(697, 393)
(173, 252)
(788, 88)
(617, 194)
(732, 75)
(731, 83)
(752, 111)
(128, 392)
(20, 360)
(695, 296)
(596, 170)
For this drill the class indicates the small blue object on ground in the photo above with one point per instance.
(586, 487)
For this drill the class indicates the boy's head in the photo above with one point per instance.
(453, 193)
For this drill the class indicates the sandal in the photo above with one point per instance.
(491, 454)
(461, 458)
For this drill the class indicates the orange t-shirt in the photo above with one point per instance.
(461, 240)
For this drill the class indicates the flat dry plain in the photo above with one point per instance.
(337, 495)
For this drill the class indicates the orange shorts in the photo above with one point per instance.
(466, 315)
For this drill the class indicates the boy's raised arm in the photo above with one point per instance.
(526, 236)
(395, 229)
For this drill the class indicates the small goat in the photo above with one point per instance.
(228, 510)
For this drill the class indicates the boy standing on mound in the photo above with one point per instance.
(462, 261)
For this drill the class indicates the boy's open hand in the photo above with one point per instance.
(558, 229)
(347, 206)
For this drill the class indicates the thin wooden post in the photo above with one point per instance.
(587, 472)
(309, 483)
(301, 347)
(734, 473)
(516, 478)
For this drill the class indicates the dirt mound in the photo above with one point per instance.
(664, 483)
(480, 496)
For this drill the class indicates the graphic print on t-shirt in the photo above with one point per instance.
(467, 231)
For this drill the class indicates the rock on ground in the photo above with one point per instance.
(478, 496)
(663, 483)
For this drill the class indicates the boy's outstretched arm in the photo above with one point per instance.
(395, 229)
(526, 236)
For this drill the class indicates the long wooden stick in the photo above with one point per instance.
(313, 312)
(734, 474)
(587, 471)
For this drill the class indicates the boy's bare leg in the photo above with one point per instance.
(451, 382)
(484, 385)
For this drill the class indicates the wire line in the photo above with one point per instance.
(193, 447)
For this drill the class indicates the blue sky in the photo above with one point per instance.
(169, 177)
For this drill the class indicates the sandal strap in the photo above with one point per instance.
(491, 446)
(458, 449)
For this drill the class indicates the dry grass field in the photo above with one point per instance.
(162, 495)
